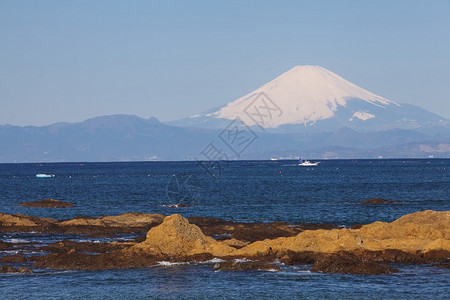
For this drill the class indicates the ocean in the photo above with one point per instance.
(244, 191)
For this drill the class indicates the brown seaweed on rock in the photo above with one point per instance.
(347, 262)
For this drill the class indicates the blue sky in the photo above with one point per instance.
(71, 60)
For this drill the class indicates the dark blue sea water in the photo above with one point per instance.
(261, 191)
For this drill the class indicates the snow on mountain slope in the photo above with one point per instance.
(313, 97)
(303, 94)
(362, 115)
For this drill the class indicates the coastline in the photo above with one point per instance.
(418, 238)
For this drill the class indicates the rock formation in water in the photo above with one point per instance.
(11, 269)
(422, 237)
(126, 223)
(176, 237)
(347, 262)
(422, 231)
(377, 201)
(246, 266)
(48, 203)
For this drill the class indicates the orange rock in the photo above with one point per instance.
(421, 237)
(22, 220)
(422, 231)
(177, 237)
(132, 219)
(236, 243)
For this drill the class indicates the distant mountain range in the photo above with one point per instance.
(307, 111)
(108, 138)
(125, 138)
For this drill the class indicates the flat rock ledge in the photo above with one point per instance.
(132, 222)
(47, 203)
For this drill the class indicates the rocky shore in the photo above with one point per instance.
(418, 238)
(103, 226)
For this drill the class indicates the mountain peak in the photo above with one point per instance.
(310, 96)
(308, 67)
(306, 70)
(117, 120)
(303, 94)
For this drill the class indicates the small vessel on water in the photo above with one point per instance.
(307, 163)
(44, 175)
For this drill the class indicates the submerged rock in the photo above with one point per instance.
(377, 201)
(47, 203)
(65, 246)
(178, 205)
(201, 257)
(16, 258)
(253, 232)
(11, 269)
(297, 258)
(5, 245)
(73, 260)
(246, 266)
(349, 263)
(442, 266)
(398, 256)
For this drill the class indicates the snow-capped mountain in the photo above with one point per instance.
(313, 98)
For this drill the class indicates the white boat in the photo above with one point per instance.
(44, 175)
(307, 163)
